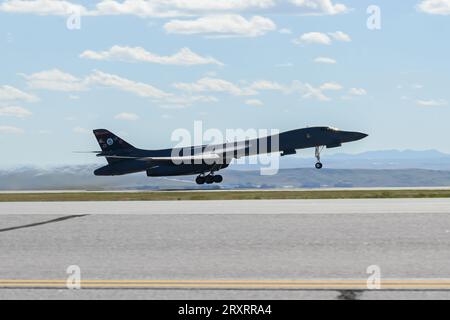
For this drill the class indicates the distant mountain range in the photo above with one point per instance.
(81, 178)
(389, 168)
(387, 159)
(397, 154)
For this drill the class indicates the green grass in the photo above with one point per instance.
(222, 195)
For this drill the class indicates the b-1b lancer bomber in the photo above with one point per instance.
(206, 160)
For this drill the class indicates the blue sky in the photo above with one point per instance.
(145, 68)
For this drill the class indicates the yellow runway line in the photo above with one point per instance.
(409, 284)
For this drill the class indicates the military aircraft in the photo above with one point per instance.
(206, 160)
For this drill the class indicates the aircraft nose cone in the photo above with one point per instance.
(360, 135)
(353, 136)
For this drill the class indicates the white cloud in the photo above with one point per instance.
(13, 111)
(167, 8)
(313, 38)
(175, 8)
(222, 25)
(438, 7)
(9, 93)
(168, 100)
(61, 81)
(140, 8)
(254, 102)
(268, 85)
(321, 7)
(214, 85)
(114, 81)
(309, 91)
(340, 36)
(58, 80)
(256, 87)
(126, 116)
(331, 86)
(55, 80)
(357, 92)
(222, 5)
(42, 7)
(431, 103)
(312, 92)
(321, 38)
(184, 57)
(325, 60)
(11, 130)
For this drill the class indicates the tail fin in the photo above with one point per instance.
(108, 141)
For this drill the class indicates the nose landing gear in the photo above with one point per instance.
(318, 151)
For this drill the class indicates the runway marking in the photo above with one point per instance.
(339, 284)
(43, 222)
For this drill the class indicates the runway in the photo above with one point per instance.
(285, 249)
(327, 206)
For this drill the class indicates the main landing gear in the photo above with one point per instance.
(209, 179)
(318, 151)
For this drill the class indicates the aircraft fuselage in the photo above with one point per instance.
(124, 158)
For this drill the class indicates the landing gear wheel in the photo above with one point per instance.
(218, 178)
(200, 180)
(319, 165)
(209, 179)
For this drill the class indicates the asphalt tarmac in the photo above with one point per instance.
(276, 249)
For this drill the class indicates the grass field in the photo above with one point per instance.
(222, 195)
